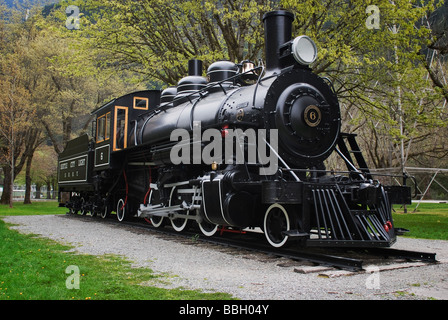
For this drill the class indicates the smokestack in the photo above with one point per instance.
(277, 31)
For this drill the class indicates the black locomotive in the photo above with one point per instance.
(243, 149)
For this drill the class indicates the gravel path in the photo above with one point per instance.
(244, 276)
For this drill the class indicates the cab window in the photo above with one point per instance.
(141, 103)
(103, 127)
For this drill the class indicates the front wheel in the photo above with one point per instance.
(276, 221)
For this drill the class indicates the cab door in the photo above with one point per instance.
(120, 138)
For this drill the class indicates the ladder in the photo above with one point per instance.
(355, 151)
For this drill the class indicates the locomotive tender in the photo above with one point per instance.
(147, 158)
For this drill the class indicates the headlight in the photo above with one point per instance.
(304, 50)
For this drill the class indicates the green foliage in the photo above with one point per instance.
(380, 74)
(158, 37)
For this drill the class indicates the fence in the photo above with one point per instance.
(42, 194)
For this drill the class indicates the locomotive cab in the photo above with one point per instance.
(116, 125)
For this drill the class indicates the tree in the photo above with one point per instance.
(14, 128)
(18, 135)
(67, 82)
(44, 169)
(49, 84)
(61, 74)
(432, 56)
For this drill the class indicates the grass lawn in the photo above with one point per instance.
(35, 208)
(33, 268)
(430, 221)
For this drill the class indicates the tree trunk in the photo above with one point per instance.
(38, 186)
(29, 160)
(7, 191)
(48, 189)
(54, 185)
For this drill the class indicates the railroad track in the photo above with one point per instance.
(350, 259)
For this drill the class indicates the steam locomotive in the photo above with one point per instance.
(244, 148)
